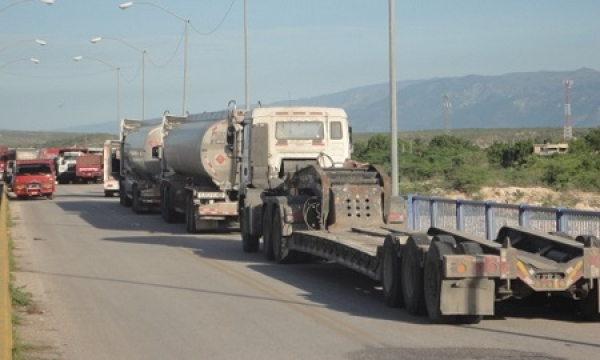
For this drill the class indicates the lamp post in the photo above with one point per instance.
(47, 2)
(246, 81)
(393, 113)
(186, 22)
(117, 69)
(143, 52)
(33, 60)
(37, 41)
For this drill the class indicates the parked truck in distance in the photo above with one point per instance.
(66, 164)
(33, 178)
(111, 167)
(88, 168)
(199, 178)
(139, 185)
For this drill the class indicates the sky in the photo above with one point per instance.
(296, 49)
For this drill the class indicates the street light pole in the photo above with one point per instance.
(246, 81)
(186, 22)
(393, 111)
(117, 69)
(143, 52)
(47, 2)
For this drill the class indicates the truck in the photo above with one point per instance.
(33, 178)
(344, 212)
(111, 167)
(66, 163)
(139, 182)
(199, 177)
(88, 168)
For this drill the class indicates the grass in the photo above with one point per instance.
(21, 299)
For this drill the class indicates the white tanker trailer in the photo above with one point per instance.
(141, 166)
(200, 177)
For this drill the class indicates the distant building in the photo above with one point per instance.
(550, 149)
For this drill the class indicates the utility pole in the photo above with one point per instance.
(568, 130)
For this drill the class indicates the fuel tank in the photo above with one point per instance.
(137, 148)
(196, 148)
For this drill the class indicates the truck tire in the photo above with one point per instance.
(267, 235)
(136, 206)
(433, 276)
(391, 278)
(250, 243)
(123, 198)
(169, 215)
(190, 216)
(589, 305)
(50, 196)
(107, 193)
(469, 248)
(412, 275)
(280, 242)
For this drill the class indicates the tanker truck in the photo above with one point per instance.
(200, 178)
(139, 185)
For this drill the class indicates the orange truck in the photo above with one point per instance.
(34, 178)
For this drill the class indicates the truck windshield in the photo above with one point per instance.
(299, 130)
(32, 169)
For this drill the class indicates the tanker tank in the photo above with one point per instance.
(138, 146)
(196, 148)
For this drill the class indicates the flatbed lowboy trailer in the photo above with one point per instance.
(347, 216)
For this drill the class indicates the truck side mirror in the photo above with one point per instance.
(230, 140)
(157, 152)
(350, 139)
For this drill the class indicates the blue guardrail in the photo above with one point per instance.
(485, 218)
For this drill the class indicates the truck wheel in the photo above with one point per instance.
(124, 199)
(190, 215)
(390, 277)
(412, 275)
(50, 196)
(589, 305)
(249, 242)
(168, 214)
(136, 206)
(280, 243)
(267, 235)
(433, 277)
(469, 248)
(107, 193)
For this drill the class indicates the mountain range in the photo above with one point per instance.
(515, 100)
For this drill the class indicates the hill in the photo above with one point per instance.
(517, 100)
(40, 139)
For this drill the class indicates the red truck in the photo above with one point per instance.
(34, 178)
(88, 168)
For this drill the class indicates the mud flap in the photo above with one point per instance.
(467, 297)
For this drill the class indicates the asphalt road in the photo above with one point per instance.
(127, 286)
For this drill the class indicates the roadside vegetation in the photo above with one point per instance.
(21, 302)
(453, 163)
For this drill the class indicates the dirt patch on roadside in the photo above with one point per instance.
(37, 335)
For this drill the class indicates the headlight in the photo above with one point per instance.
(20, 186)
(47, 186)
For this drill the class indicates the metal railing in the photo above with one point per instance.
(485, 218)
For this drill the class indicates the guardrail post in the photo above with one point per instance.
(410, 212)
(562, 220)
(433, 210)
(490, 228)
(460, 215)
(523, 216)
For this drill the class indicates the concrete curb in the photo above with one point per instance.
(6, 334)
